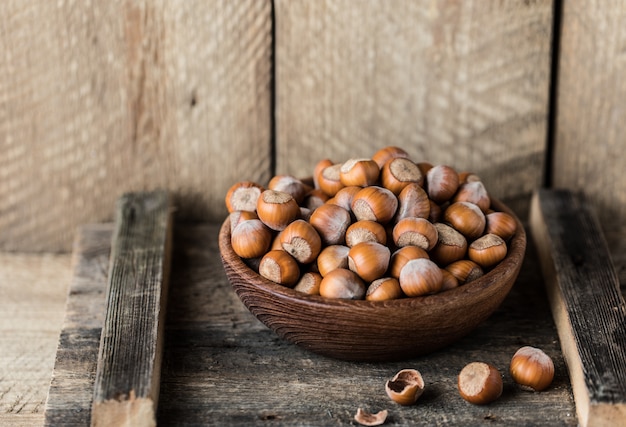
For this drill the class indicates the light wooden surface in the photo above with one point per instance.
(463, 83)
(590, 150)
(128, 371)
(33, 294)
(100, 98)
(587, 305)
(222, 367)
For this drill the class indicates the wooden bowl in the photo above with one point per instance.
(374, 330)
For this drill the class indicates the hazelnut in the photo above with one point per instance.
(289, 184)
(420, 276)
(403, 255)
(343, 284)
(502, 224)
(532, 369)
(487, 250)
(277, 209)
(319, 167)
(473, 192)
(251, 239)
(329, 180)
(369, 419)
(374, 203)
(280, 267)
(331, 222)
(480, 383)
(331, 258)
(405, 387)
(383, 289)
(344, 197)
(413, 202)
(399, 172)
(369, 260)
(359, 172)
(309, 283)
(301, 241)
(416, 232)
(365, 231)
(449, 281)
(314, 199)
(236, 217)
(465, 270)
(243, 196)
(386, 153)
(451, 245)
(442, 182)
(466, 218)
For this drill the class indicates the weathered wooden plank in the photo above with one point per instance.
(222, 367)
(33, 291)
(463, 83)
(589, 150)
(126, 390)
(101, 98)
(586, 301)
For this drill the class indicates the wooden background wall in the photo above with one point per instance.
(98, 98)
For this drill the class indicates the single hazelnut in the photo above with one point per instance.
(329, 179)
(331, 222)
(331, 258)
(467, 176)
(424, 167)
(343, 284)
(451, 245)
(416, 232)
(319, 167)
(344, 197)
(466, 218)
(473, 192)
(532, 369)
(420, 276)
(384, 289)
(487, 250)
(449, 281)
(359, 172)
(314, 199)
(301, 241)
(374, 203)
(413, 202)
(243, 196)
(480, 383)
(369, 260)
(465, 270)
(251, 239)
(309, 283)
(277, 209)
(236, 217)
(436, 212)
(365, 231)
(369, 419)
(280, 267)
(442, 182)
(403, 255)
(405, 387)
(386, 153)
(502, 224)
(399, 172)
(289, 184)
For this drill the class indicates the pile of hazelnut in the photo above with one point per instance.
(376, 228)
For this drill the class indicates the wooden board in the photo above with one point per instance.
(589, 152)
(586, 302)
(222, 367)
(33, 292)
(128, 372)
(463, 83)
(103, 98)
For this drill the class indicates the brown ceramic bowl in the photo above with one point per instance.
(374, 330)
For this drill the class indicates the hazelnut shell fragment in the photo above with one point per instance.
(405, 387)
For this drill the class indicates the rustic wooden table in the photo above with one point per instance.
(223, 367)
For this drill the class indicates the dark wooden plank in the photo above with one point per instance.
(126, 388)
(221, 366)
(586, 301)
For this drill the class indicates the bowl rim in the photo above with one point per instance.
(507, 267)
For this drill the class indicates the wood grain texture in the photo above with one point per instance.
(589, 152)
(126, 390)
(222, 367)
(33, 291)
(463, 83)
(587, 305)
(100, 98)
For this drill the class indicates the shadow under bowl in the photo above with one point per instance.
(374, 330)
